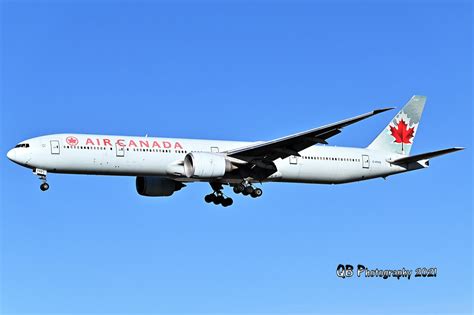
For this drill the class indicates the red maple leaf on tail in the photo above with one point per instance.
(401, 133)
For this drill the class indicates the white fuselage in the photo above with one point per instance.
(149, 156)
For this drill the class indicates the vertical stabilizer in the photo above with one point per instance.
(400, 133)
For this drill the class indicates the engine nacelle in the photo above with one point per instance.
(154, 186)
(206, 165)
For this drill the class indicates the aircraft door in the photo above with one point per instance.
(119, 150)
(215, 149)
(55, 146)
(365, 161)
(292, 171)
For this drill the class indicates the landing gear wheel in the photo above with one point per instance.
(227, 202)
(44, 186)
(218, 200)
(239, 188)
(257, 192)
(209, 198)
(248, 190)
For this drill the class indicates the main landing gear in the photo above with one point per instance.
(217, 197)
(42, 176)
(246, 189)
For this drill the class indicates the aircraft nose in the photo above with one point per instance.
(11, 155)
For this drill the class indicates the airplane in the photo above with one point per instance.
(163, 166)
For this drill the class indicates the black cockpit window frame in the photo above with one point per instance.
(22, 145)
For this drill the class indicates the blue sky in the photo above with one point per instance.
(240, 71)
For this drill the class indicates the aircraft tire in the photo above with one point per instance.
(44, 186)
(227, 202)
(209, 198)
(248, 190)
(239, 188)
(218, 200)
(257, 192)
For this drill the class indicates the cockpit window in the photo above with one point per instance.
(22, 145)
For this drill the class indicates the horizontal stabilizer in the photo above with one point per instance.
(425, 156)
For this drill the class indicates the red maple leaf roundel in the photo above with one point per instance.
(401, 133)
(72, 141)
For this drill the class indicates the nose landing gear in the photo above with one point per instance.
(42, 176)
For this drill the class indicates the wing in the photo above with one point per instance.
(293, 144)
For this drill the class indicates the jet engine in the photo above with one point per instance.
(206, 165)
(154, 186)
